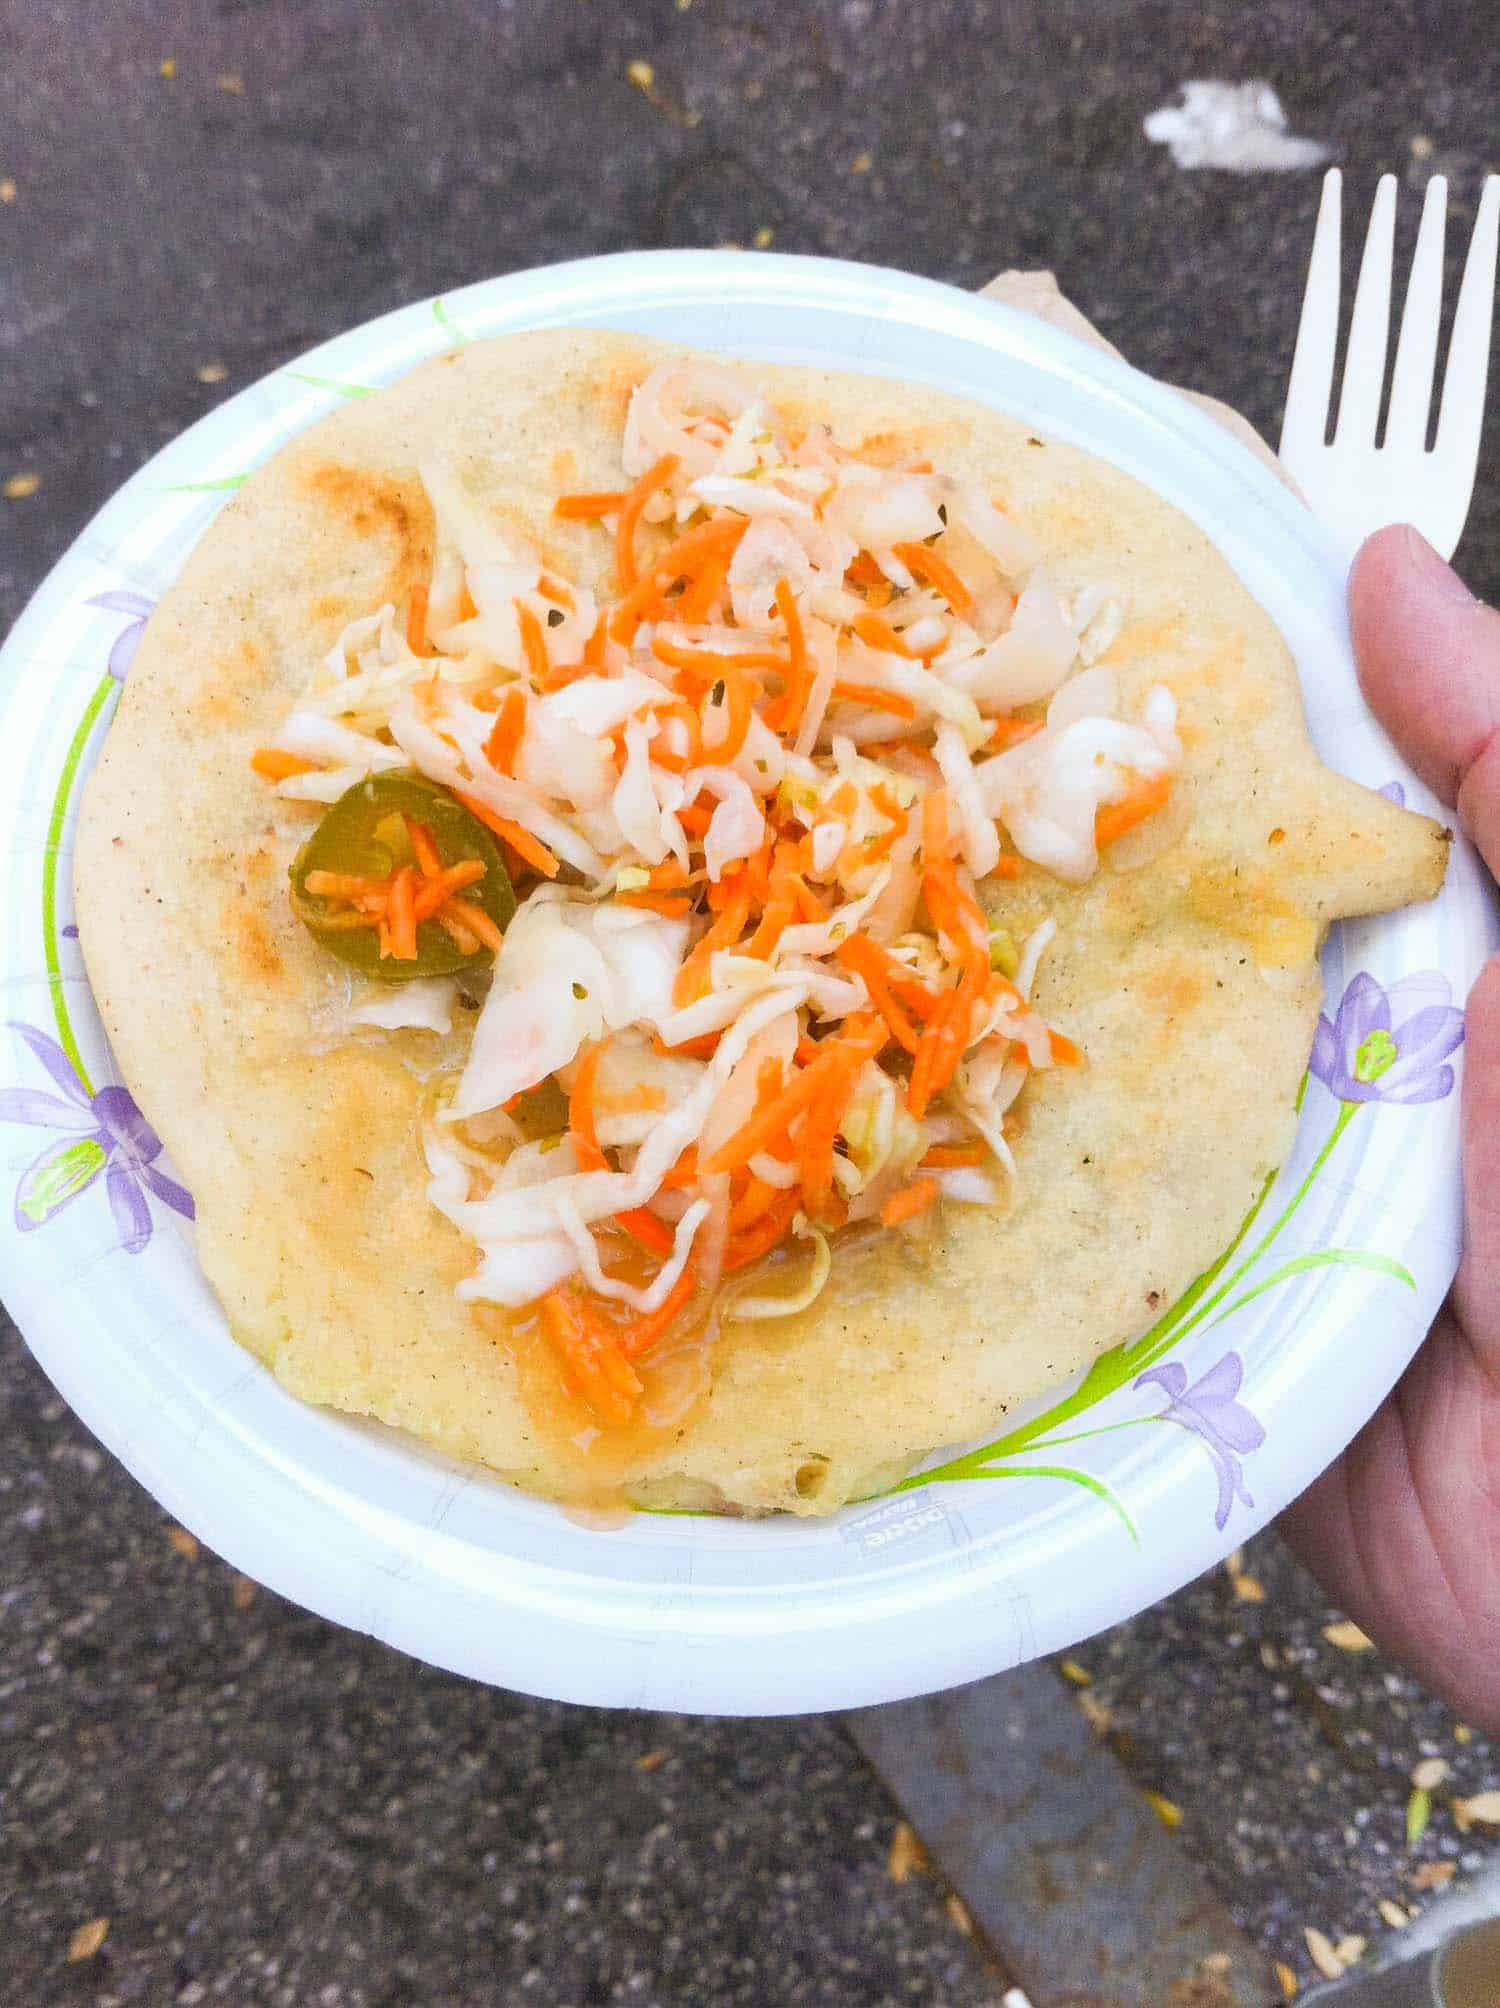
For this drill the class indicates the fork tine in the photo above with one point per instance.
(1369, 330)
(1416, 350)
(1461, 416)
(1305, 419)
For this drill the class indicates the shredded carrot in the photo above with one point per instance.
(926, 564)
(466, 943)
(504, 742)
(591, 1356)
(631, 505)
(693, 728)
(954, 1156)
(946, 1038)
(861, 1039)
(809, 906)
(272, 765)
(671, 905)
(760, 1239)
(643, 1331)
(475, 922)
(768, 1079)
(910, 1200)
(582, 508)
(820, 1128)
(793, 701)
(1143, 800)
(631, 1101)
(644, 1226)
(416, 620)
(401, 915)
(861, 955)
(702, 1048)
(535, 646)
(691, 980)
(1011, 731)
(865, 572)
(881, 635)
(682, 560)
(554, 590)
(581, 1113)
(773, 924)
(345, 885)
(423, 848)
(935, 824)
(1006, 866)
(1064, 1052)
(436, 892)
(954, 911)
(522, 842)
(877, 699)
(685, 1171)
(751, 1204)
(698, 599)
(712, 662)
(878, 597)
(739, 709)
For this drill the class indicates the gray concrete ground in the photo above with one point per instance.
(269, 1811)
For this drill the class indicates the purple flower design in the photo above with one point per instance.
(99, 1132)
(1390, 1045)
(1393, 791)
(1209, 1408)
(128, 640)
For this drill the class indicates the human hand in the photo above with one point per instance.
(1404, 1531)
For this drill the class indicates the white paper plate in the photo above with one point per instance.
(1259, 1382)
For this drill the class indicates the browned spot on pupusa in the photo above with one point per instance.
(256, 959)
(609, 393)
(261, 869)
(1141, 640)
(228, 697)
(393, 514)
(1249, 904)
(1172, 992)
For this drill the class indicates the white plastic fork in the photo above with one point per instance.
(1356, 485)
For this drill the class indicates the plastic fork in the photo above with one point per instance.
(1357, 484)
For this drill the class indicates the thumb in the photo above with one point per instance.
(1429, 662)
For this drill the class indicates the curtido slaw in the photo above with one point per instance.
(748, 799)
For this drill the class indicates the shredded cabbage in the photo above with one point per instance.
(710, 903)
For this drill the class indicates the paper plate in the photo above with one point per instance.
(1100, 1499)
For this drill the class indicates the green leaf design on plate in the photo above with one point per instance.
(1324, 1258)
(208, 487)
(61, 1179)
(447, 323)
(56, 820)
(336, 384)
(978, 1468)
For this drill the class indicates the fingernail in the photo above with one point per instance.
(1439, 575)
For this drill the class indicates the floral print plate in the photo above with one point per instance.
(1163, 1456)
